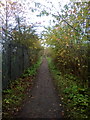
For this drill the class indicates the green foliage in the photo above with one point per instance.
(32, 70)
(67, 40)
(75, 97)
(13, 97)
(16, 92)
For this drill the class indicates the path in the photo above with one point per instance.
(44, 102)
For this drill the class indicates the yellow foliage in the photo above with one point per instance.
(62, 52)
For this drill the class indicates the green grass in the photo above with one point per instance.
(75, 97)
(15, 94)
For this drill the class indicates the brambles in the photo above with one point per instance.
(75, 97)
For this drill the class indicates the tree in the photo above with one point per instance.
(67, 40)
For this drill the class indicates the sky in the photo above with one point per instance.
(40, 21)
(44, 20)
(31, 17)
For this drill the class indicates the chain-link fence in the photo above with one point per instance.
(15, 59)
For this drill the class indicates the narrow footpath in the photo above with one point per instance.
(44, 101)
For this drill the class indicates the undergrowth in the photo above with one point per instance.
(32, 70)
(15, 94)
(75, 97)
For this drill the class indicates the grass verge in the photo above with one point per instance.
(74, 96)
(17, 91)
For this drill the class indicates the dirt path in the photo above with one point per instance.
(44, 102)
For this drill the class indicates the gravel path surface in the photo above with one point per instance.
(44, 101)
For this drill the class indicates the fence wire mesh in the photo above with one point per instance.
(15, 59)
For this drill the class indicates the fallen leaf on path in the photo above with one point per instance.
(50, 110)
(62, 112)
(60, 104)
(32, 97)
(61, 98)
(54, 110)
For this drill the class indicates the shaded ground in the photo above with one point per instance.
(43, 101)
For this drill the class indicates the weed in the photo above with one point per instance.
(32, 70)
(75, 97)
(15, 94)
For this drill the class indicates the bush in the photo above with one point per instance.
(75, 97)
